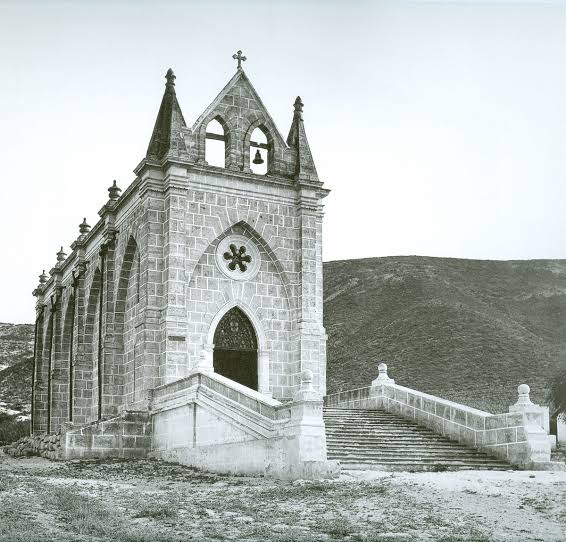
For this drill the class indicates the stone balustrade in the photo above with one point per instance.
(519, 436)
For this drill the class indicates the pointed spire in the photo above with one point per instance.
(297, 139)
(167, 138)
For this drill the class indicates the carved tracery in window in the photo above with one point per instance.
(237, 258)
(235, 332)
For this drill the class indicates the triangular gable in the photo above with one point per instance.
(239, 79)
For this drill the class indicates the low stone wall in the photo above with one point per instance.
(519, 437)
(128, 435)
(48, 446)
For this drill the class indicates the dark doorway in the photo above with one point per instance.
(235, 348)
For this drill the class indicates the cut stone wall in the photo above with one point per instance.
(144, 278)
(128, 435)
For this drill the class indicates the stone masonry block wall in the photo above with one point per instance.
(210, 291)
(284, 284)
(141, 307)
(128, 435)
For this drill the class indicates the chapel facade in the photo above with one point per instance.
(193, 266)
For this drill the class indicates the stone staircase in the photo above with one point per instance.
(379, 440)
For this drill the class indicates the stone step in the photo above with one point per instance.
(400, 449)
(388, 438)
(420, 467)
(378, 458)
(352, 464)
(372, 439)
(380, 433)
(469, 452)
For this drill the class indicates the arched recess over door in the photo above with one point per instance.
(235, 348)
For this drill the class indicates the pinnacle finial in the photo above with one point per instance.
(298, 105)
(43, 278)
(523, 391)
(170, 76)
(84, 228)
(383, 377)
(61, 255)
(114, 191)
(240, 58)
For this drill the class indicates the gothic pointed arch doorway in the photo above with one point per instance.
(235, 348)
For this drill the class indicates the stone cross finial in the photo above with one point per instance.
(114, 191)
(84, 228)
(61, 255)
(170, 76)
(240, 58)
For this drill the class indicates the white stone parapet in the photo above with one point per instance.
(209, 421)
(520, 436)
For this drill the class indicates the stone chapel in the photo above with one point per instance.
(186, 324)
(195, 269)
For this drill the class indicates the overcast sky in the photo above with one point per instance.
(440, 127)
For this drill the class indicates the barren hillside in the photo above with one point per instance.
(467, 330)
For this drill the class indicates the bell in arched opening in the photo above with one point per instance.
(259, 152)
(258, 159)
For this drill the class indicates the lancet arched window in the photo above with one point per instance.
(259, 152)
(215, 145)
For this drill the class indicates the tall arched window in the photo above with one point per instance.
(235, 348)
(215, 145)
(258, 152)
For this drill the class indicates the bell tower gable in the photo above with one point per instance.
(241, 110)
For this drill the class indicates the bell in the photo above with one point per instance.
(258, 159)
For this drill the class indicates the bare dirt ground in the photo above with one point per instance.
(142, 501)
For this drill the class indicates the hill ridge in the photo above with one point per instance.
(468, 330)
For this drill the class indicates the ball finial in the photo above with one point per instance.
(306, 376)
(524, 389)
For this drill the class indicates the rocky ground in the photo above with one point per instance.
(142, 501)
